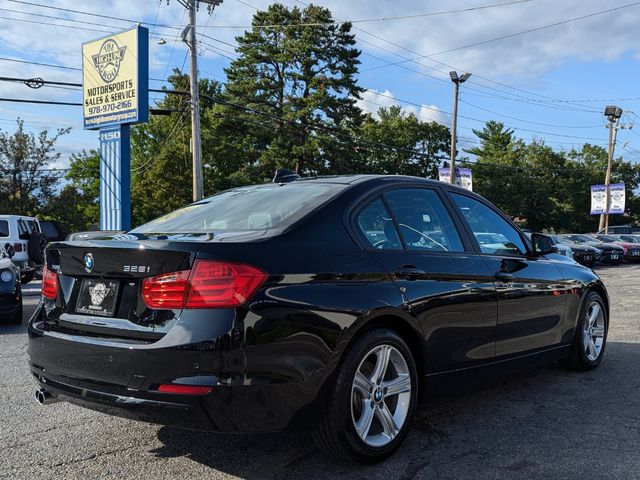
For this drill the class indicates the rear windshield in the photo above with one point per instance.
(243, 209)
(4, 228)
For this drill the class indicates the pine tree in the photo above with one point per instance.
(301, 79)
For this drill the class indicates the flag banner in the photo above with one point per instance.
(616, 198)
(464, 177)
(599, 199)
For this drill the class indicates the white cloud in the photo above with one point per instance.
(371, 101)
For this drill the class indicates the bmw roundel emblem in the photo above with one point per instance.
(88, 262)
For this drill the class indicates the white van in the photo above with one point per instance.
(16, 233)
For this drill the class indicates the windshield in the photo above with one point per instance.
(607, 238)
(583, 238)
(244, 209)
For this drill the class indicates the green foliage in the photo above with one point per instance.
(161, 166)
(420, 146)
(26, 180)
(544, 188)
(302, 81)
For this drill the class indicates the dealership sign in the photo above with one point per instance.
(115, 79)
(115, 91)
(599, 199)
(464, 177)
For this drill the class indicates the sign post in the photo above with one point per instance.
(115, 84)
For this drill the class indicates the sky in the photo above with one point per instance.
(551, 82)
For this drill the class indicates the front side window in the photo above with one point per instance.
(423, 220)
(376, 225)
(494, 234)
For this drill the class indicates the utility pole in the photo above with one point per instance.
(613, 114)
(189, 37)
(454, 120)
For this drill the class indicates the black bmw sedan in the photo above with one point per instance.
(331, 304)
(10, 292)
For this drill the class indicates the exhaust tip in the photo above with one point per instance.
(44, 397)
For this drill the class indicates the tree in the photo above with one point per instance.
(420, 147)
(26, 180)
(161, 165)
(301, 81)
(499, 166)
(77, 205)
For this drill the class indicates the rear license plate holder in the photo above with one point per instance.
(97, 297)
(614, 256)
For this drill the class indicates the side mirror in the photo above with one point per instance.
(10, 250)
(543, 244)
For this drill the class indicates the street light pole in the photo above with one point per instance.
(189, 37)
(613, 114)
(454, 120)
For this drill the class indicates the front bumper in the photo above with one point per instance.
(613, 257)
(120, 378)
(584, 258)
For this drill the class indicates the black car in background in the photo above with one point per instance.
(10, 292)
(332, 304)
(609, 252)
(582, 253)
(631, 249)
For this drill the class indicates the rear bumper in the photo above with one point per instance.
(584, 258)
(121, 379)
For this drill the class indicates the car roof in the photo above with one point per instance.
(360, 178)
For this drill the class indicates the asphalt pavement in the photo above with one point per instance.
(551, 423)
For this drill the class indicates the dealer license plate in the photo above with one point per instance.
(97, 297)
(614, 256)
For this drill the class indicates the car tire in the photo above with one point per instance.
(361, 400)
(590, 337)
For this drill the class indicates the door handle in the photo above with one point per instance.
(409, 272)
(504, 277)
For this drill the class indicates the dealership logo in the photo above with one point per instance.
(88, 262)
(98, 293)
(107, 61)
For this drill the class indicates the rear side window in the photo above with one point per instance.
(375, 223)
(494, 234)
(4, 228)
(243, 209)
(423, 220)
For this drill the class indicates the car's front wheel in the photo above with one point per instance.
(590, 336)
(369, 410)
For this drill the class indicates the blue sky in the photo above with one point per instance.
(550, 84)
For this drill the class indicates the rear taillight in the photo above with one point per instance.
(210, 284)
(165, 291)
(49, 284)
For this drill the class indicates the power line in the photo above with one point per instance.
(528, 121)
(523, 32)
(43, 102)
(378, 19)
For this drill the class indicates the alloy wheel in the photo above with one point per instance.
(593, 331)
(381, 395)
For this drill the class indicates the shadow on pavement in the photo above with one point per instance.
(551, 423)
